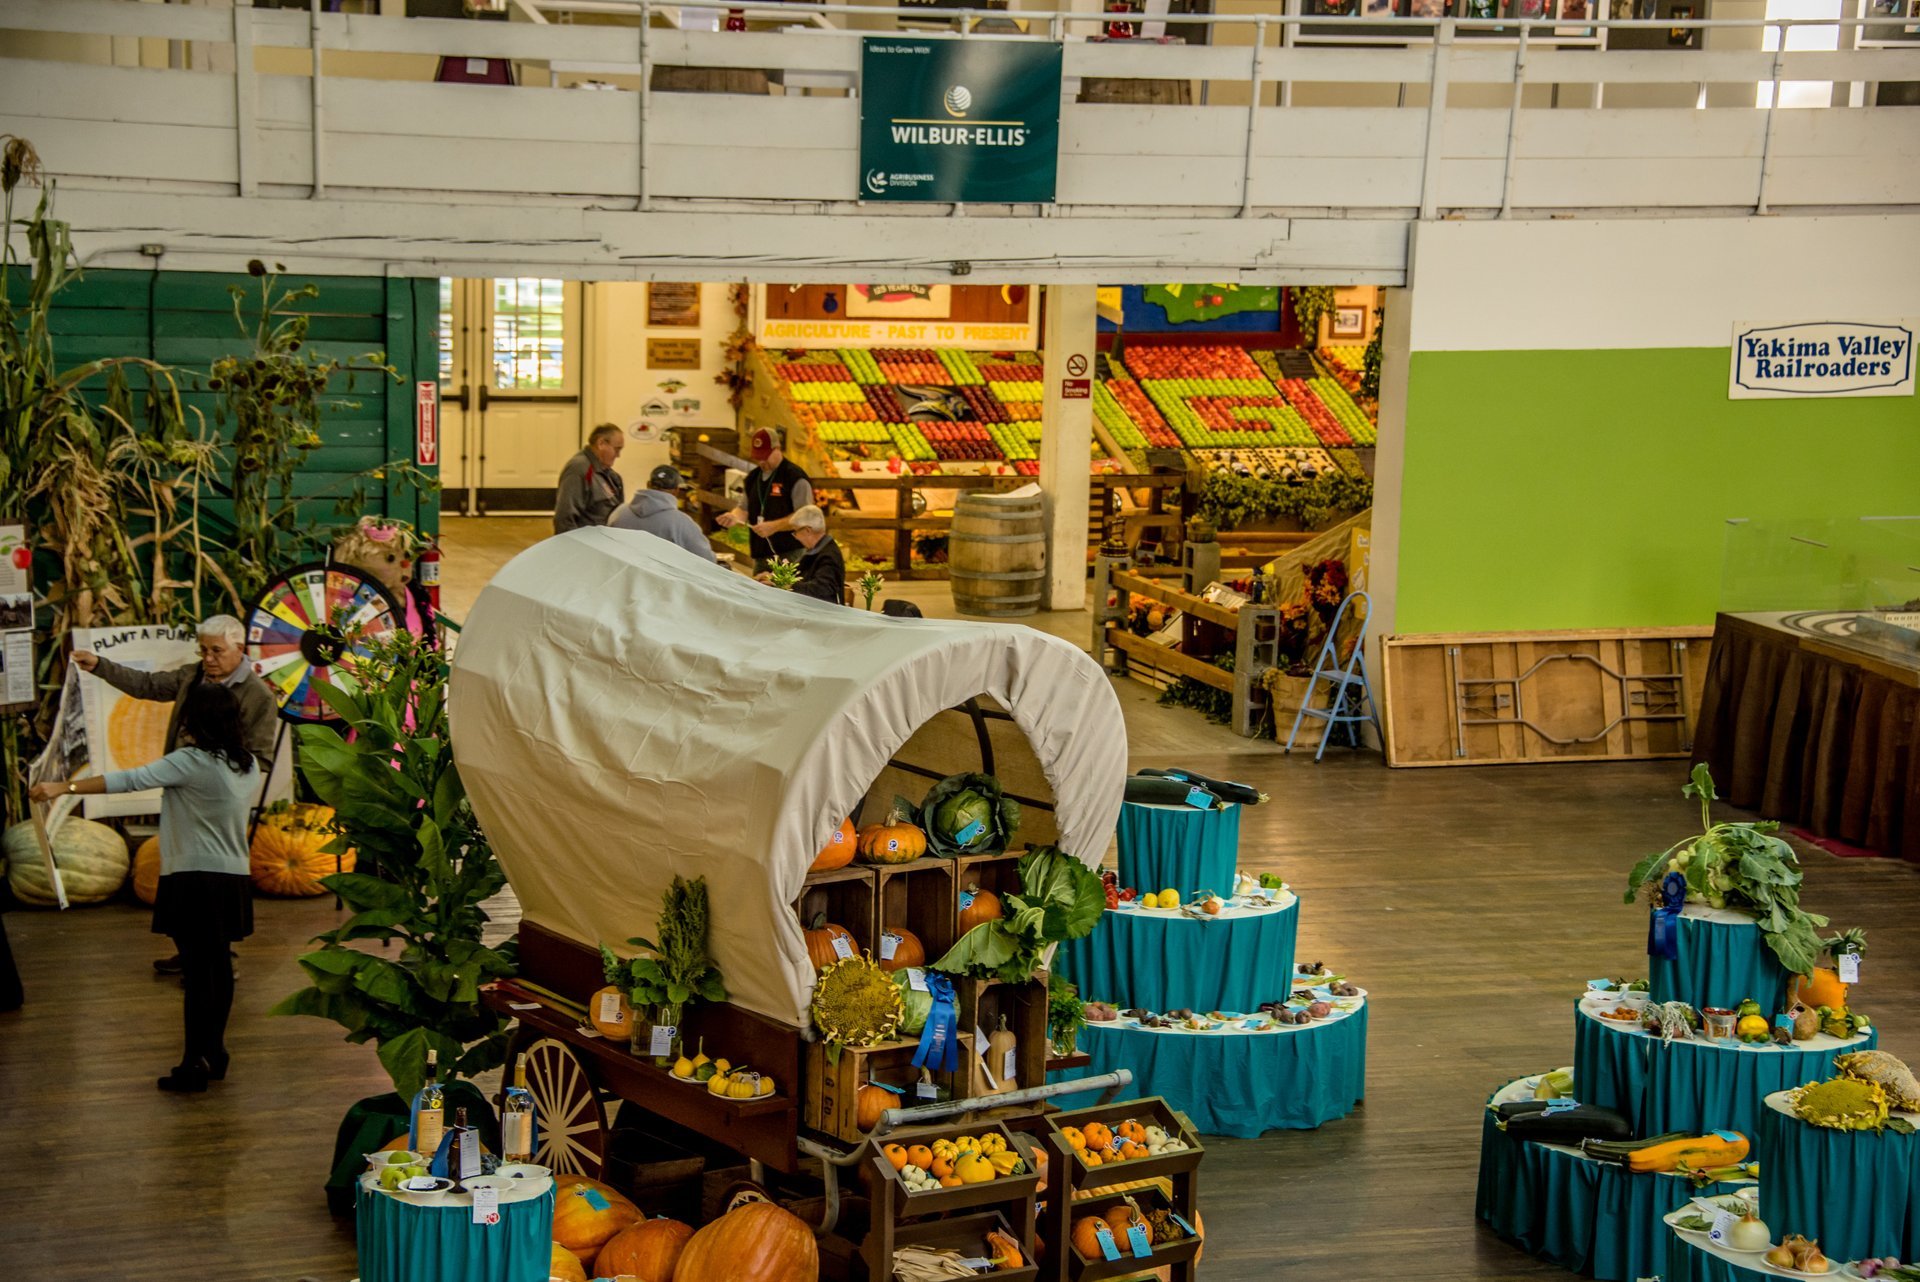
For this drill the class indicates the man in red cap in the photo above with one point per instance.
(775, 489)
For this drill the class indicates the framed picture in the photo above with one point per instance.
(673, 305)
(1378, 8)
(1680, 36)
(1428, 9)
(1349, 322)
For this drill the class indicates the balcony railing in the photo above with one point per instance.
(1485, 118)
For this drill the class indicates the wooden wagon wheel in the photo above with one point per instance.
(572, 1127)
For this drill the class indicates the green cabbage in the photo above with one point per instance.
(959, 801)
(915, 1005)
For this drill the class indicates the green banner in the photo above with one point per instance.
(959, 120)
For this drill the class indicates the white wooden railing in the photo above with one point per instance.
(1460, 118)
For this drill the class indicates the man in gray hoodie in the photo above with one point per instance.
(656, 510)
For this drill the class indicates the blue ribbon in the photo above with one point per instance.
(940, 1040)
(1663, 932)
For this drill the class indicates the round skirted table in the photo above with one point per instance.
(1857, 1193)
(1179, 847)
(1693, 1086)
(1170, 959)
(401, 1241)
(1237, 1082)
(1597, 1218)
(1721, 960)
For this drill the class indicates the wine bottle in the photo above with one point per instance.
(516, 1117)
(457, 1150)
(429, 1111)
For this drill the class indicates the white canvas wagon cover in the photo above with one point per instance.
(623, 711)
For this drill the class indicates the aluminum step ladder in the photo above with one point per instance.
(1349, 694)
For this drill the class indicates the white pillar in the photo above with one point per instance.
(1066, 440)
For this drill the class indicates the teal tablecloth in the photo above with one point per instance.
(1855, 1192)
(1719, 964)
(1600, 1220)
(1693, 1086)
(1241, 1085)
(401, 1242)
(1179, 848)
(1167, 961)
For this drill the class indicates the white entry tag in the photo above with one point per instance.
(610, 1008)
(917, 979)
(486, 1206)
(663, 1035)
(1723, 1220)
(1849, 968)
(889, 945)
(842, 947)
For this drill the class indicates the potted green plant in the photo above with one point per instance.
(388, 772)
(678, 972)
(1065, 1015)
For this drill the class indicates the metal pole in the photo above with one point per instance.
(1766, 142)
(1253, 114)
(646, 103)
(1513, 121)
(1436, 119)
(314, 43)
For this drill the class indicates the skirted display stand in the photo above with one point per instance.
(1167, 960)
(1721, 961)
(400, 1241)
(1855, 1192)
(1690, 1259)
(1179, 847)
(1596, 1218)
(1692, 1086)
(1239, 1083)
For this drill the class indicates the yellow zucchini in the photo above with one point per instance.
(1722, 1148)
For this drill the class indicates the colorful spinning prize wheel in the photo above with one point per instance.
(305, 623)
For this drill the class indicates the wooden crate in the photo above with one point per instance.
(998, 873)
(845, 895)
(919, 897)
(831, 1090)
(982, 1004)
(1532, 697)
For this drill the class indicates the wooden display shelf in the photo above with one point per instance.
(967, 1234)
(982, 1002)
(1069, 1174)
(832, 1089)
(762, 1129)
(846, 897)
(998, 873)
(895, 1209)
(1151, 1111)
(1162, 1256)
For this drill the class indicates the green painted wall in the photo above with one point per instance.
(185, 319)
(1590, 489)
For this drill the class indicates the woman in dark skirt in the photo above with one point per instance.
(205, 900)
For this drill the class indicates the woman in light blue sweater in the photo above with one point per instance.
(205, 900)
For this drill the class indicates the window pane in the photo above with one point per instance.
(529, 328)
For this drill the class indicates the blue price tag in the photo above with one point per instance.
(1560, 1106)
(1729, 1136)
(966, 900)
(1137, 1238)
(1200, 799)
(1178, 1219)
(1601, 984)
(1104, 1235)
(593, 1199)
(966, 835)
(1783, 1020)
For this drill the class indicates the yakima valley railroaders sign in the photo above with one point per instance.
(959, 120)
(1822, 358)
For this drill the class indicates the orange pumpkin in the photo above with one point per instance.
(820, 943)
(1086, 1237)
(649, 1251)
(921, 1156)
(587, 1213)
(1004, 1251)
(940, 1168)
(870, 1103)
(286, 857)
(892, 843)
(611, 1013)
(146, 870)
(565, 1268)
(1098, 1136)
(1131, 1130)
(1822, 988)
(897, 1156)
(839, 850)
(907, 949)
(978, 906)
(758, 1241)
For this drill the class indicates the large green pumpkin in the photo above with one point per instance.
(92, 859)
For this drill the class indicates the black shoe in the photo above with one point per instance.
(216, 1067)
(185, 1079)
(168, 965)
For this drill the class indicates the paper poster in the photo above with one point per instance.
(16, 617)
(123, 732)
(674, 305)
(915, 302)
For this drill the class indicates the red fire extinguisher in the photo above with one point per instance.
(427, 569)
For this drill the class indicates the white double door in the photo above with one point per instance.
(511, 356)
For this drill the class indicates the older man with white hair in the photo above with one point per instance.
(823, 570)
(223, 661)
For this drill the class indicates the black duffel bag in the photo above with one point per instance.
(1552, 1122)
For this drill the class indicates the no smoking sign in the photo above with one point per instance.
(1076, 365)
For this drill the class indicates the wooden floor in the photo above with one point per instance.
(1473, 903)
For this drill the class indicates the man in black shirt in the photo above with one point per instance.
(823, 571)
(775, 489)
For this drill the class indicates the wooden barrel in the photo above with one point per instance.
(997, 555)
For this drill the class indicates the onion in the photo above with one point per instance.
(1749, 1233)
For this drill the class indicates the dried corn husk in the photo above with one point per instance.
(919, 1264)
